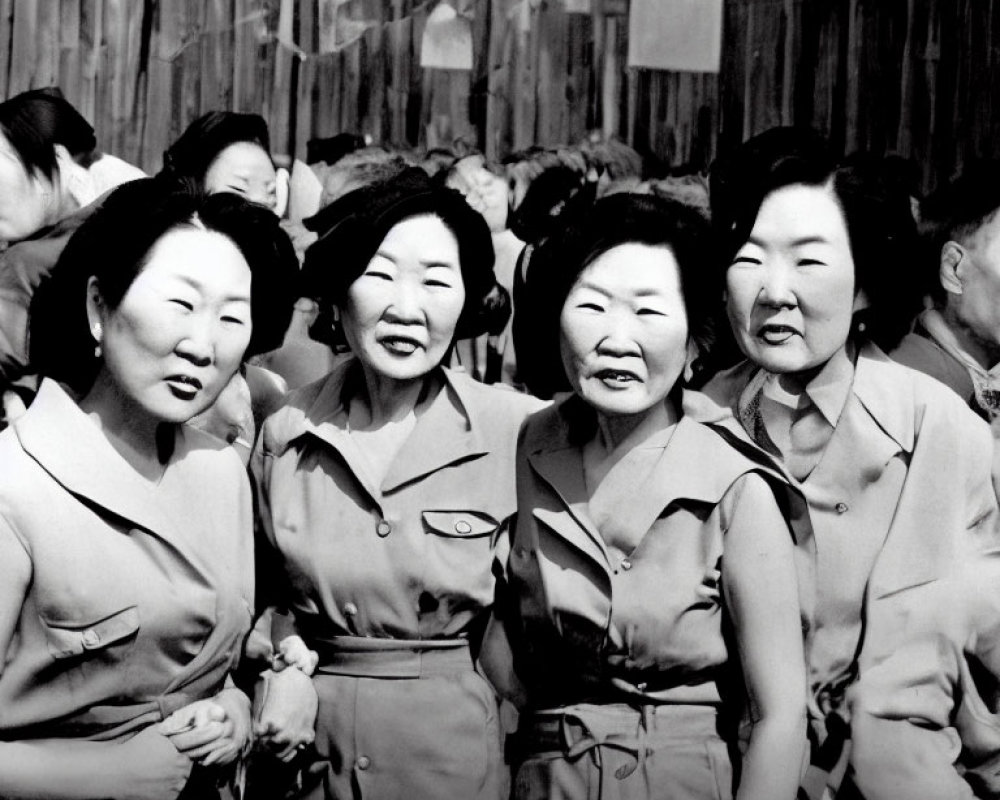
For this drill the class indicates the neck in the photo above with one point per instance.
(986, 353)
(138, 437)
(60, 203)
(620, 432)
(390, 400)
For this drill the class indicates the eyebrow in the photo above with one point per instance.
(643, 292)
(804, 240)
(428, 264)
(199, 287)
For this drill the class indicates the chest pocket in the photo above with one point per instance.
(459, 524)
(70, 639)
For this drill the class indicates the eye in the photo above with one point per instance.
(649, 312)
(589, 305)
(745, 260)
(810, 262)
(377, 273)
(231, 320)
(182, 303)
(437, 282)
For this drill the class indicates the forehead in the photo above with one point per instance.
(634, 268)
(243, 158)
(423, 238)
(197, 256)
(800, 212)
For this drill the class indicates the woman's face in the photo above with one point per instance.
(791, 293)
(182, 327)
(624, 329)
(401, 312)
(24, 208)
(245, 169)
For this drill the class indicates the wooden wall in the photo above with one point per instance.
(907, 76)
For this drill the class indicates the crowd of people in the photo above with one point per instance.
(399, 475)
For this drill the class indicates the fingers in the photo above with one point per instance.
(199, 741)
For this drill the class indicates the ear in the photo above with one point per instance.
(97, 310)
(952, 254)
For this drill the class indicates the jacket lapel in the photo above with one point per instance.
(72, 449)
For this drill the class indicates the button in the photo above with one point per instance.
(463, 527)
(363, 762)
(841, 508)
(384, 528)
(350, 609)
(626, 564)
(90, 638)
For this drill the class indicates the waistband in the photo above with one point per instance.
(364, 657)
(586, 728)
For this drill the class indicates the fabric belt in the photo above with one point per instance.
(589, 729)
(364, 657)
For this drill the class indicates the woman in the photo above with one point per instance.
(381, 490)
(125, 536)
(642, 539)
(894, 468)
(225, 151)
(50, 173)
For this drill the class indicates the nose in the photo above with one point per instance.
(776, 284)
(405, 307)
(618, 340)
(197, 343)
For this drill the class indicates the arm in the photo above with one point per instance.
(759, 582)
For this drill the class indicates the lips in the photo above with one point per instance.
(773, 334)
(184, 387)
(616, 378)
(400, 345)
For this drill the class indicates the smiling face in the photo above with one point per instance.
(401, 313)
(245, 169)
(791, 286)
(624, 330)
(181, 329)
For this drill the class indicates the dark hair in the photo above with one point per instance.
(200, 144)
(877, 215)
(114, 244)
(34, 122)
(955, 212)
(333, 148)
(557, 264)
(353, 226)
(547, 197)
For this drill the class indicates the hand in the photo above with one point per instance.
(292, 652)
(213, 731)
(287, 718)
(147, 767)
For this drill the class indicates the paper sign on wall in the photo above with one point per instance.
(678, 35)
(447, 40)
(578, 6)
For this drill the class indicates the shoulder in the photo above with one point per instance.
(288, 421)
(926, 356)
(501, 406)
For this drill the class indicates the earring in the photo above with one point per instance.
(97, 332)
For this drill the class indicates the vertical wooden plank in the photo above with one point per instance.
(24, 52)
(69, 50)
(217, 46)
(276, 110)
(47, 49)
(499, 71)
(91, 36)
(6, 44)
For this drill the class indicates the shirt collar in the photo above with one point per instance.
(933, 322)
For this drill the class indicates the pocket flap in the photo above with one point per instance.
(67, 639)
(460, 524)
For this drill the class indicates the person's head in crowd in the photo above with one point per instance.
(438, 160)
(38, 129)
(559, 192)
(524, 167)
(485, 190)
(961, 226)
(226, 151)
(331, 149)
(814, 255)
(357, 169)
(401, 269)
(615, 301)
(160, 295)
